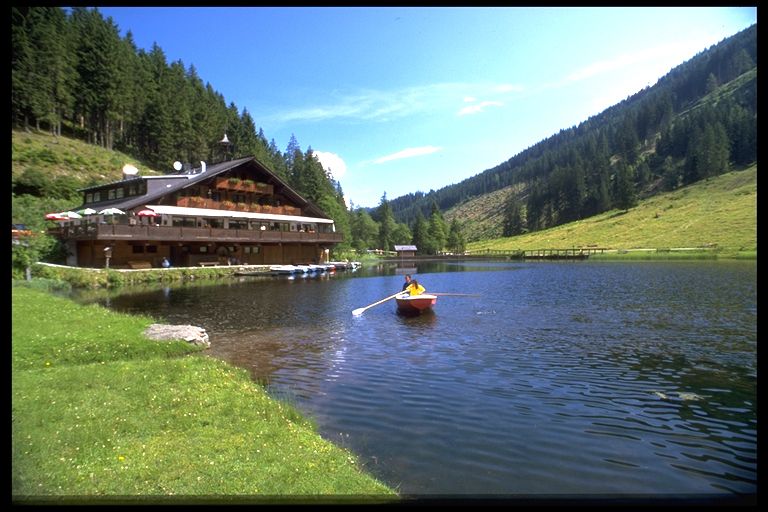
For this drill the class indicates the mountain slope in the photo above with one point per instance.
(720, 211)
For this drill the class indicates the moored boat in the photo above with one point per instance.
(415, 304)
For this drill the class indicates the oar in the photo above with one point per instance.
(359, 311)
(456, 294)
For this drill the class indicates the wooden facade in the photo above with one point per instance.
(235, 212)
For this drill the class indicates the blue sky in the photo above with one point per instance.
(403, 99)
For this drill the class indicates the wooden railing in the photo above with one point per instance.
(201, 202)
(188, 234)
(244, 186)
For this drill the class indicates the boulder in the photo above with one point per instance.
(189, 333)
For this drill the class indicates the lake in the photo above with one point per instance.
(549, 378)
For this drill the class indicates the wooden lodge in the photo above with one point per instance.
(234, 212)
(406, 251)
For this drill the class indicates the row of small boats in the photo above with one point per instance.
(313, 268)
(292, 270)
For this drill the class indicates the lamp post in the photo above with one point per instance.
(107, 255)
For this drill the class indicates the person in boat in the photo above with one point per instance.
(407, 281)
(414, 288)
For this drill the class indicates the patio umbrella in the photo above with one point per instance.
(112, 211)
(55, 216)
(146, 213)
(71, 215)
(86, 211)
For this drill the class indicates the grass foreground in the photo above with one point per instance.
(100, 413)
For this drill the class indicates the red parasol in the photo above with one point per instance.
(146, 213)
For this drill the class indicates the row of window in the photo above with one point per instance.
(192, 222)
(134, 189)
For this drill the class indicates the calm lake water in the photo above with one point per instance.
(578, 378)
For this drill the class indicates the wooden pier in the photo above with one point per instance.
(574, 253)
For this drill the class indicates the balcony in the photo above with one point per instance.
(187, 234)
(200, 202)
(236, 184)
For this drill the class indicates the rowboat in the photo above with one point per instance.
(415, 304)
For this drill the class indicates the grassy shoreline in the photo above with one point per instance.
(101, 412)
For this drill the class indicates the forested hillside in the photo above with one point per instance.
(697, 121)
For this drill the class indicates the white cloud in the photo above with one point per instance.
(408, 153)
(381, 105)
(670, 55)
(332, 162)
(475, 109)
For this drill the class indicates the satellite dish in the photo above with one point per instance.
(130, 170)
(177, 165)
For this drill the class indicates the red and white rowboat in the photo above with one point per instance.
(415, 304)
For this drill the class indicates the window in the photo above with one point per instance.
(119, 193)
(132, 190)
(152, 248)
(138, 249)
(111, 193)
(96, 197)
(89, 197)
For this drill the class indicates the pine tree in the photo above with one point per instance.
(438, 230)
(421, 238)
(513, 218)
(457, 242)
(624, 195)
(365, 230)
(97, 58)
(386, 224)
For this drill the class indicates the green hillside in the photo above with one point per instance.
(69, 161)
(718, 212)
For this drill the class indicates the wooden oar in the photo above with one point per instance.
(456, 294)
(359, 311)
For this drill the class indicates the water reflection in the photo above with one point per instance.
(570, 378)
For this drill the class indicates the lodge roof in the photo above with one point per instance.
(162, 185)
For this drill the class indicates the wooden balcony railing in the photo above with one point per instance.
(256, 187)
(200, 202)
(187, 234)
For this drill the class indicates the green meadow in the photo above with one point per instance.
(717, 215)
(102, 414)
